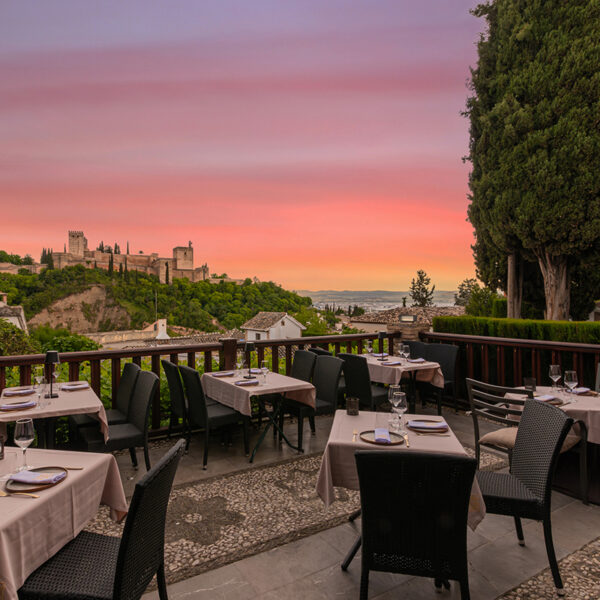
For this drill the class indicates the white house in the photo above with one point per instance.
(272, 326)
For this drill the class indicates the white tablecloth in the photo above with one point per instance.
(429, 372)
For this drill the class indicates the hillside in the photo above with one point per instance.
(94, 298)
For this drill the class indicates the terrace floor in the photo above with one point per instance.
(310, 567)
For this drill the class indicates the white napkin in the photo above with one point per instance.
(581, 390)
(434, 426)
(379, 355)
(18, 405)
(416, 360)
(247, 382)
(75, 385)
(223, 374)
(546, 398)
(18, 391)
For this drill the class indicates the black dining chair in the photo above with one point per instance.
(526, 492)
(206, 413)
(358, 382)
(119, 413)
(303, 365)
(132, 434)
(414, 515)
(325, 379)
(446, 355)
(487, 401)
(320, 351)
(101, 567)
(417, 349)
(342, 382)
(178, 407)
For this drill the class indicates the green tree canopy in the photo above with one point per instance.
(420, 292)
(14, 341)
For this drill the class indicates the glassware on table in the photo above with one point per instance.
(239, 365)
(406, 351)
(264, 369)
(555, 375)
(40, 388)
(369, 347)
(571, 380)
(24, 435)
(400, 407)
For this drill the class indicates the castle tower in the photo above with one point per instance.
(183, 257)
(77, 243)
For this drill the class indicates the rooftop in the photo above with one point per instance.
(263, 320)
(424, 314)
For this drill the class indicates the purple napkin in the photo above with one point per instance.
(546, 398)
(36, 477)
(18, 405)
(391, 362)
(382, 435)
(18, 392)
(581, 390)
(381, 354)
(434, 426)
(247, 382)
(416, 360)
(223, 374)
(75, 385)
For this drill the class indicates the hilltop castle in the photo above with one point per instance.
(166, 269)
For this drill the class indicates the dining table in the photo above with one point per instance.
(72, 398)
(338, 466)
(232, 389)
(33, 529)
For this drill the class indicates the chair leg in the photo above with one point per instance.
(583, 473)
(245, 431)
(133, 455)
(519, 529)
(147, 456)
(300, 431)
(206, 436)
(364, 584)
(161, 583)
(464, 589)
(552, 556)
(311, 420)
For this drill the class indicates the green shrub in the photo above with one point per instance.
(499, 307)
(14, 341)
(583, 332)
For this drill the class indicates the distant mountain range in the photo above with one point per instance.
(371, 300)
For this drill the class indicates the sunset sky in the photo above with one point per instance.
(314, 143)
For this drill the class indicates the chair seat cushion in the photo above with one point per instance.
(571, 440)
(113, 416)
(504, 437)
(84, 568)
(219, 415)
(504, 494)
(124, 435)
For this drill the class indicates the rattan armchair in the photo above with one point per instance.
(100, 567)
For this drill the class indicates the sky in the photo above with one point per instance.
(314, 143)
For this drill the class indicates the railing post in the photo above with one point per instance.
(207, 362)
(74, 371)
(174, 358)
(191, 360)
(115, 368)
(485, 363)
(2, 378)
(227, 357)
(470, 363)
(288, 359)
(25, 375)
(95, 376)
(137, 360)
(156, 400)
(275, 359)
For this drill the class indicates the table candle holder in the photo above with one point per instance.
(248, 349)
(352, 406)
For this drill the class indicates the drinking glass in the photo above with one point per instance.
(369, 347)
(264, 369)
(40, 388)
(571, 380)
(406, 351)
(555, 375)
(393, 389)
(239, 365)
(400, 407)
(24, 435)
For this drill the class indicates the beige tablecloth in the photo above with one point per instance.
(586, 408)
(34, 529)
(224, 390)
(429, 372)
(68, 403)
(338, 467)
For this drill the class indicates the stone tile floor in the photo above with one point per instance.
(310, 568)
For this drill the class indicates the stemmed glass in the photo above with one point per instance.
(571, 380)
(555, 375)
(239, 364)
(369, 347)
(393, 389)
(264, 368)
(400, 407)
(405, 351)
(24, 435)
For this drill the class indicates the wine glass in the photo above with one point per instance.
(40, 386)
(239, 364)
(369, 347)
(24, 435)
(406, 351)
(264, 369)
(555, 375)
(571, 380)
(400, 407)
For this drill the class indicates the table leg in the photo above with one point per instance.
(352, 553)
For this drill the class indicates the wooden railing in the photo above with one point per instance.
(224, 353)
(506, 361)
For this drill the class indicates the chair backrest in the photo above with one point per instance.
(542, 431)
(320, 351)
(178, 404)
(414, 511)
(417, 349)
(445, 355)
(303, 365)
(141, 551)
(126, 385)
(488, 401)
(197, 413)
(326, 378)
(357, 378)
(146, 386)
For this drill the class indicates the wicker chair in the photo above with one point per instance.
(207, 413)
(132, 434)
(320, 351)
(488, 401)
(358, 382)
(179, 409)
(102, 567)
(342, 382)
(117, 415)
(414, 515)
(417, 349)
(303, 365)
(446, 356)
(526, 491)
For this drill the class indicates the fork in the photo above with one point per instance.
(6, 494)
(354, 434)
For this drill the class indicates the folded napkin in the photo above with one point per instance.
(416, 360)
(19, 392)
(255, 371)
(75, 385)
(18, 405)
(433, 425)
(546, 398)
(381, 354)
(223, 374)
(382, 436)
(247, 382)
(38, 477)
(391, 362)
(581, 390)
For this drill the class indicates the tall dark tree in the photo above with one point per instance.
(111, 264)
(167, 273)
(535, 140)
(420, 292)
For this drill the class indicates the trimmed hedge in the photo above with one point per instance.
(583, 332)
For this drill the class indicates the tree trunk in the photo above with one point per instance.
(557, 285)
(514, 287)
